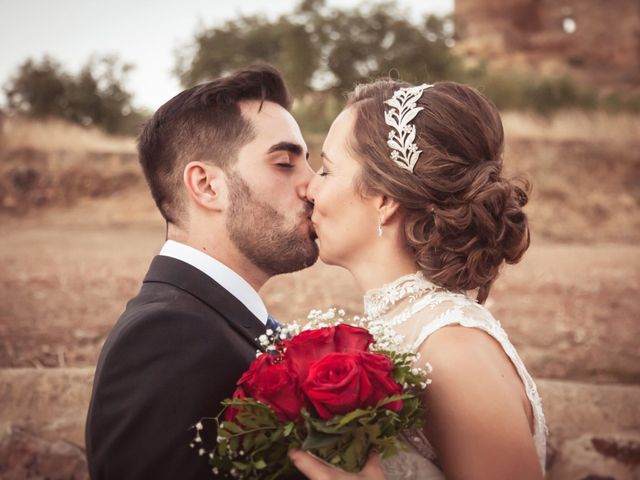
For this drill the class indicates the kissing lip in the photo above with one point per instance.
(312, 226)
(312, 229)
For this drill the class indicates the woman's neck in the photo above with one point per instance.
(387, 266)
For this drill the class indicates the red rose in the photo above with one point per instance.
(348, 338)
(312, 345)
(379, 370)
(269, 381)
(342, 382)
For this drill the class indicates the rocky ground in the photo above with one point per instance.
(77, 239)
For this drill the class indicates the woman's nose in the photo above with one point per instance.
(311, 189)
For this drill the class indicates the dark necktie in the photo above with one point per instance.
(273, 324)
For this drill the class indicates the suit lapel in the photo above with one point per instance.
(191, 280)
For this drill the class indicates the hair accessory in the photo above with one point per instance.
(404, 152)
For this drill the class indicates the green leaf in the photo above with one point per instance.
(288, 429)
(248, 442)
(241, 465)
(352, 416)
(319, 440)
(231, 427)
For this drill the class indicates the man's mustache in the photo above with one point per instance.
(308, 210)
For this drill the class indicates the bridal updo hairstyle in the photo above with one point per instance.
(463, 219)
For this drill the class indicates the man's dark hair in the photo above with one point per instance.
(203, 123)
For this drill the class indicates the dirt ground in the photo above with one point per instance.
(66, 274)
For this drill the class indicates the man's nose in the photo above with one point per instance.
(305, 182)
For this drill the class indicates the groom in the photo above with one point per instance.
(227, 167)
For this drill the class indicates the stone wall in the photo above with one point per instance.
(596, 40)
(42, 414)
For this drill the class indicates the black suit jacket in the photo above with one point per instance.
(175, 353)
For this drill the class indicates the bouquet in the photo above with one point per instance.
(331, 390)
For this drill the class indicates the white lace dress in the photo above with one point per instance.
(413, 308)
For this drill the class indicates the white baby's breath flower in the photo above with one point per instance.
(269, 332)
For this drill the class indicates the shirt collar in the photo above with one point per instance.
(227, 278)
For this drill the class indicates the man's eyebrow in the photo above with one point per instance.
(324, 155)
(288, 147)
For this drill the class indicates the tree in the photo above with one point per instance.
(322, 48)
(95, 96)
(38, 89)
(248, 40)
(381, 41)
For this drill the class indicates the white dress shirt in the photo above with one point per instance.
(227, 278)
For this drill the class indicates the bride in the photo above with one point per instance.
(411, 200)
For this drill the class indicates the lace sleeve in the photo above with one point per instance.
(457, 311)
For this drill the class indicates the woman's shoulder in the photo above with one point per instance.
(465, 343)
(458, 347)
(446, 309)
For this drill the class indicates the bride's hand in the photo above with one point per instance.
(315, 469)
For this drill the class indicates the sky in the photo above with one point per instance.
(142, 32)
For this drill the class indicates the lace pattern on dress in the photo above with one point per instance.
(379, 301)
(448, 309)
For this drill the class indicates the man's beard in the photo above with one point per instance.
(262, 235)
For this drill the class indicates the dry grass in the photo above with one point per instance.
(584, 168)
(17, 133)
(573, 125)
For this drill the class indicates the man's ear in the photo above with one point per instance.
(387, 208)
(205, 185)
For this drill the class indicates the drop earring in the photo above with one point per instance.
(379, 226)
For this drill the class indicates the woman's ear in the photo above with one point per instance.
(387, 208)
(205, 184)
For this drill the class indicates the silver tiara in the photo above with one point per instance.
(401, 138)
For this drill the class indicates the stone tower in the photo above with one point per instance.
(597, 41)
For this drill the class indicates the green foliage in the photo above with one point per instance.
(252, 39)
(95, 96)
(321, 48)
(38, 88)
(520, 91)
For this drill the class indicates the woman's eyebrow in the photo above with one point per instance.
(324, 155)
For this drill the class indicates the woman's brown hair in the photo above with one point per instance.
(463, 219)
